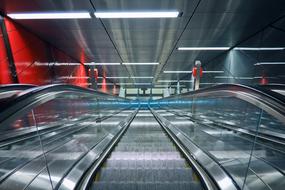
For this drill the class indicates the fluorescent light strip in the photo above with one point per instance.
(260, 48)
(203, 48)
(72, 77)
(213, 72)
(167, 81)
(142, 83)
(117, 77)
(190, 81)
(231, 77)
(135, 83)
(168, 72)
(50, 15)
(260, 77)
(56, 64)
(154, 63)
(91, 64)
(67, 64)
(141, 77)
(145, 14)
(227, 48)
(270, 63)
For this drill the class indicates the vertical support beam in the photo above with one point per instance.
(9, 51)
(178, 88)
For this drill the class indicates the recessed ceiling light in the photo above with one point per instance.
(203, 48)
(142, 83)
(154, 63)
(142, 77)
(231, 77)
(177, 71)
(269, 63)
(136, 83)
(213, 72)
(72, 77)
(167, 81)
(259, 48)
(50, 15)
(140, 14)
(117, 77)
(90, 64)
(67, 64)
(189, 81)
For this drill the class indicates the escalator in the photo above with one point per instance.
(240, 128)
(65, 137)
(145, 158)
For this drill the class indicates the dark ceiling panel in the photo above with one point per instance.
(215, 23)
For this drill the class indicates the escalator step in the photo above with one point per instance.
(155, 164)
(146, 186)
(146, 175)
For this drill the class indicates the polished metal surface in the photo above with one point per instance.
(214, 23)
(145, 158)
(240, 128)
(65, 150)
(217, 173)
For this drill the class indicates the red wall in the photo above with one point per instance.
(31, 55)
(5, 74)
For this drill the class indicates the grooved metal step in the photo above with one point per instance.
(145, 158)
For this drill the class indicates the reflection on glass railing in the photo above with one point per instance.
(243, 138)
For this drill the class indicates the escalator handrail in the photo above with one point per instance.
(254, 95)
(25, 99)
(236, 87)
(273, 86)
(15, 87)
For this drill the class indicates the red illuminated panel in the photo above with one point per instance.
(80, 74)
(26, 50)
(5, 73)
(62, 71)
(32, 57)
(77, 73)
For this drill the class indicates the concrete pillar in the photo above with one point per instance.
(178, 88)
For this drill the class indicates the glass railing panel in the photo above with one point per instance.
(44, 144)
(20, 144)
(78, 123)
(244, 139)
(267, 163)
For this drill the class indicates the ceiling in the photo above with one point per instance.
(203, 23)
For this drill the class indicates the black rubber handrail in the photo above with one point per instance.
(270, 98)
(15, 87)
(25, 99)
(238, 87)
